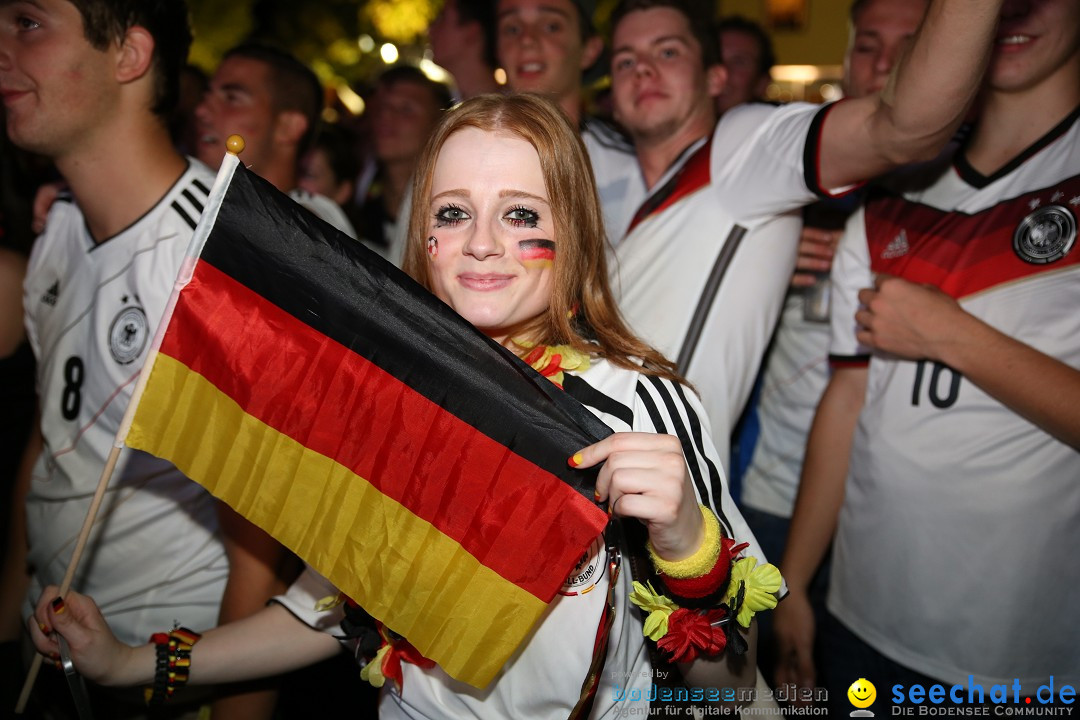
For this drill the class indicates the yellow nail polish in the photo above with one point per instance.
(576, 459)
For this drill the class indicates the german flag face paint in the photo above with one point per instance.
(537, 253)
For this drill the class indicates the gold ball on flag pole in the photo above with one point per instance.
(235, 144)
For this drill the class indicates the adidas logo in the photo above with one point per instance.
(51, 295)
(897, 248)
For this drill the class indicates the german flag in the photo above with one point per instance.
(335, 403)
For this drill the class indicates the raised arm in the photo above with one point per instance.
(923, 104)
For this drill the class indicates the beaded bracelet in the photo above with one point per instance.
(172, 664)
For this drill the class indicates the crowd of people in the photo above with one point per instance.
(856, 313)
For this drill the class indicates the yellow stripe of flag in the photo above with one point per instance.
(310, 503)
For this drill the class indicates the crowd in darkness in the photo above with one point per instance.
(866, 300)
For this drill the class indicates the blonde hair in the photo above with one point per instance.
(582, 312)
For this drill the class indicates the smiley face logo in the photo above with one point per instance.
(862, 693)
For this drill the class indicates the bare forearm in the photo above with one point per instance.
(924, 102)
(821, 488)
(1032, 384)
(268, 643)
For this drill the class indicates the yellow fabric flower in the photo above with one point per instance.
(658, 606)
(372, 672)
(329, 602)
(551, 361)
(762, 584)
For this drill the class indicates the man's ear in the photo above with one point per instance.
(715, 79)
(290, 126)
(135, 55)
(591, 52)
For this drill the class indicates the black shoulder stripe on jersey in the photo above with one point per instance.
(183, 214)
(587, 395)
(811, 153)
(193, 200)
(716, 479)
(692, 454)
(201, 185)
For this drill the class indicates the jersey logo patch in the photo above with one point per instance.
(589, 570)
(1045, 235)
(897, 247)
(52, 294)
(128, 334)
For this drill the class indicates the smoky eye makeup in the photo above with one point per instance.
(521, 216)
(449, 215)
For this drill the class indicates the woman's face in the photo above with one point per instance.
(494, 251)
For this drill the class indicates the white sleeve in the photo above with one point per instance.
(665, 407)
(764, 158)
(850, 274)
(304, 597)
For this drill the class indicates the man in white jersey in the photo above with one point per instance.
(545, 46)
(796, 368)
(703, 270)
(90, 87)
(273, 101)
(956, 390)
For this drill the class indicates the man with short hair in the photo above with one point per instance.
(546, 46)
(704, 267)
(405, 108)
(747, 53)
(462, 39)
(944, 453)
(90, 86)
(273, 101)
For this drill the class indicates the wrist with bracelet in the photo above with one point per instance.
(725, 591)
(172, 665)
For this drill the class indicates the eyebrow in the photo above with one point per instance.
(543, 8)
(34, 3)
(682, 40)
(234, 87)
(522, 194)
(463, 192)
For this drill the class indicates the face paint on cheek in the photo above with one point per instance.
(537, 253)
(433, 246)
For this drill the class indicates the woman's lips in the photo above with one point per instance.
(485, 282)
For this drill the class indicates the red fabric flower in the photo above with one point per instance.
(732, 548)
(692, 633)
(402, 649)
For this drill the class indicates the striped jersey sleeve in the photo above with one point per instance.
(652, 404)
